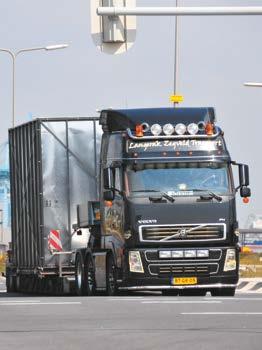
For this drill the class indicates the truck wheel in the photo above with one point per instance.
(223, 292)
(111, 284)
(10, 284)
(89, 276)
(79, 275)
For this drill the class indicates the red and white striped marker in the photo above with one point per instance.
(54, 241)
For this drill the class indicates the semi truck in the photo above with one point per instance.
(135, 199)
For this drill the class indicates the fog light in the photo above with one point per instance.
(203, 253)
(168, 129)
(156, 129)
(230, 262)
(180, 129)
(190, 253)
(163, 254)
(178, 254)
(192, 129)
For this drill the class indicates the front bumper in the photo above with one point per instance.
(159, 273)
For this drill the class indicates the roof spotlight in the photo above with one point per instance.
(168, 129)
(156, 129)
(180, 129)
(201, 126)
(145, 127)
(192, 129)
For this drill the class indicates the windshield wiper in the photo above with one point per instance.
(210, 193)
(164, 194)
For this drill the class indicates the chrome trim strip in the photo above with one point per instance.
(181, 240)
(172, 137)
(155, 274)
(183, 259)
(195, 286)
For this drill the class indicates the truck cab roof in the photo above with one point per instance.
(121, 119)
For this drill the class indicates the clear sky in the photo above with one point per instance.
(217, 55)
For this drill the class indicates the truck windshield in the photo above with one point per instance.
(177, 178)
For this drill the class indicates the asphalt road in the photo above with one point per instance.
(144, 321)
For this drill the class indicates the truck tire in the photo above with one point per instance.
(10, 284)
(79, 275)
(223, 292)
(89, 276)
(111, 283)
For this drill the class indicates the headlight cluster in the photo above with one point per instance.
(135, 262)
(178, 254)
(179, 129)
(230, 262)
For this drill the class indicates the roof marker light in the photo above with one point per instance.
(192, 129)
(156, 129)
(168, 129)
(139, 130)
(209, 129)
(180, 129)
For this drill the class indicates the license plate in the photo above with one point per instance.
(184, 280)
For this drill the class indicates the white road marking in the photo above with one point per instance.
(235, 299)
(221, 313)
(19, 301)
(41, 303)
(181, 302)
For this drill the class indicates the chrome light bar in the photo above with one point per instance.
(165, 137)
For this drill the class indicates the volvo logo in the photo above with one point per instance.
(152, 221)
(182, 232)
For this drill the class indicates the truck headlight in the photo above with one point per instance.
(163, 254)
(135, 262)
(230, 262)
(202, 253)
(190, 253)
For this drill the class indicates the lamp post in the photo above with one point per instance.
(14, 56)
(176, 54)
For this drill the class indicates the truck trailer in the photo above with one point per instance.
(136, 199)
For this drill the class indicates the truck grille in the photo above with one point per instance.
(166, 233)
(183, 270)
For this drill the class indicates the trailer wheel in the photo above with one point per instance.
(111, 284)
(89, 276)
(79, 275)
(223, 292)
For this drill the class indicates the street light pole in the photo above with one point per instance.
(14, 55)
(176, 55)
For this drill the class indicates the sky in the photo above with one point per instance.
(217, 54)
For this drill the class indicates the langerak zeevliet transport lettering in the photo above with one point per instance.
(138, 199)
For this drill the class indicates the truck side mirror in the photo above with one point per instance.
(245, 192)
(243, 175)
(108, 179)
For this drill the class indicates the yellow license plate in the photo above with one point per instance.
(184, 280)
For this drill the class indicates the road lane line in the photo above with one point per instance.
(181, 302)
(19, 301)
(220, 313)
(234, 299)
(42, 303)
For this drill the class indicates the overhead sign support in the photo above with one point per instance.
(113, 34)
(179, 11)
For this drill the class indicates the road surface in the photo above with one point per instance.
(143, 321)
